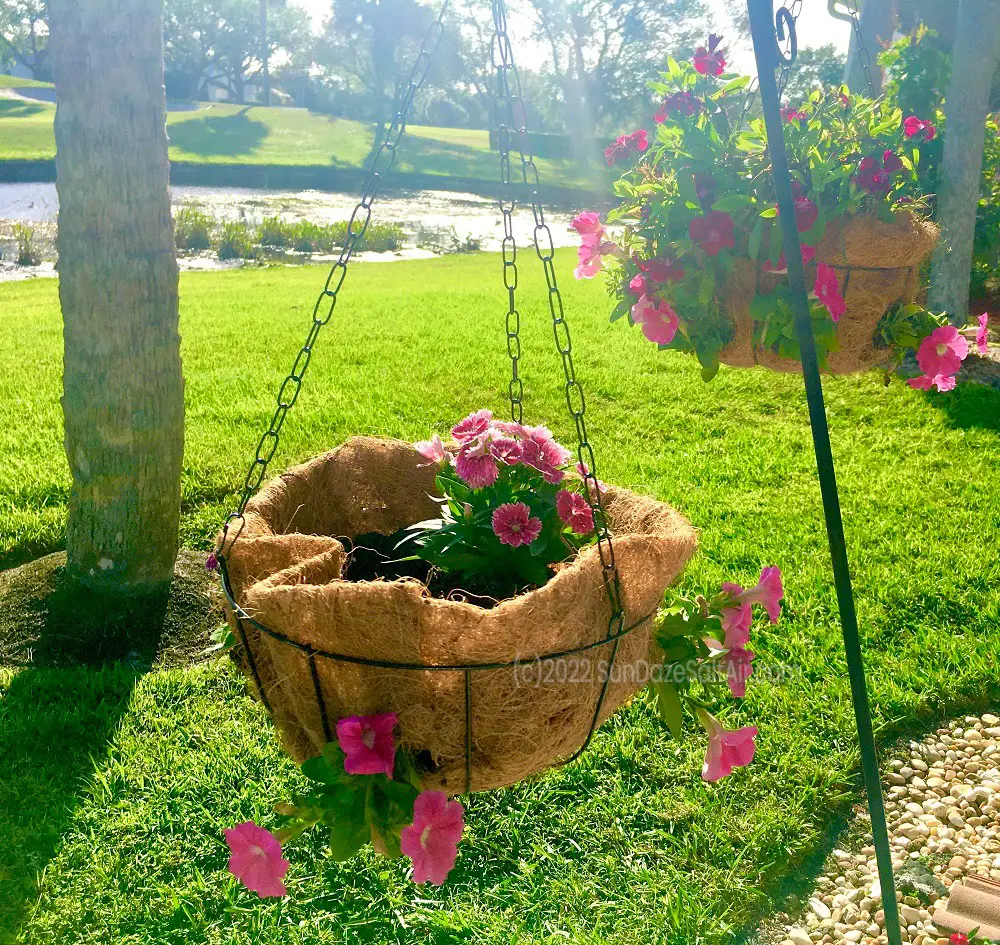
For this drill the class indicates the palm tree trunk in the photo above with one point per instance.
(123, 392)
(977, 36)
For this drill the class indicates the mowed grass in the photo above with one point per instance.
(235, 134)
(116, 788)
(16, 82)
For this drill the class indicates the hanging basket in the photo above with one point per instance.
(877, 264)
(485, 697)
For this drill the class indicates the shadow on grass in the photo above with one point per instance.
(971, 406)
(17, 108)
(236, 135)
(54, 723)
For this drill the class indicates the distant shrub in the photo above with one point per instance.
(236, 241)
(192, 229)
(27, 253)
(273, 231)
(306, 237)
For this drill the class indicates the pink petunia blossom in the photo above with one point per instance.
(790, 113)
(514, 524)
(432, 449)
(472, 427)
(680, 103)
(710, 60)
(942, 351)
(588, 223)
(808, 252)
(827, 290)
(736, 619)
(663, 269)
(727, 749)
(476, 466)
(431, 841)
(806, 214)
(983, 333)
(575, 512)
(637, 285)
(625, 145)
(507, 450)
(959, 938)
(874, 173)
(212, 562)
(713, 232)
(913, 126)
(768, 593)
(737, 662)
(368, 743)
(591, 255)
(256, 859)
(656, 318)
(942, 382)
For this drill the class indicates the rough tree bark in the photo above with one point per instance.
(123, 392)
(974, 58)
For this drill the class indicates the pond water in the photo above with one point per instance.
(434, 221)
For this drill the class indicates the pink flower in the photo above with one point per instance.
(541, 452)
(791, 113)
(432, 449)
(874, 173)
(726, 749)
(891, 162)
(808, 252)
(680, 103)
(806, 214)
(710, 61)
(212, 562)
(664, 269)
(591, 255)
(582, 471)
(943, 382)
(625, 145)
(959, 938)
(256, 859)
(507, 450)
(983, 334)
(431, 841)
(913, 126)
(942, 351)
(738, 661)
(713, 232)
(767, 593)
(638, 285)
(658, 320)
(514, 524)
(827, 291)
(472, 427)
(368, 744)
(574, 511)
(588, 223)
(736, 619)
(476, 466)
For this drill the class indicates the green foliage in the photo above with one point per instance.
(903, 327)
(356, 808)
(27, 253)
(306, 237)
(193, 229)
(236, 241)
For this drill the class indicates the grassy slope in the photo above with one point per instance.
(15, 82)
(122, 786)
(232, 134)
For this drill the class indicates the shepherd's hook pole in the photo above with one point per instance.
(763, 24)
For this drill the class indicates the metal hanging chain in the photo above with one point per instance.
(357, 226)
(791, 13)
(503, 111)
(862, 51)
(510, 91)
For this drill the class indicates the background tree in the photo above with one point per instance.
(123, 393)
(877, 22)
(815, 67)
(603, 52)
(24, 36)
(973, 62)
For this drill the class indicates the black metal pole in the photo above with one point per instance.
(768, 56)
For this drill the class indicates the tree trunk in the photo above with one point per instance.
(123, 393)
(265, 55)
(973, 60)
(877, 21)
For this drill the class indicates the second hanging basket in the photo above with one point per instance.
(877, 265)
(485, 697)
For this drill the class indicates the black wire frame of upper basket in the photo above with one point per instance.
(511, 121)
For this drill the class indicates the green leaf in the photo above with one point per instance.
(769, 213)
(754, 240)
(668, 705)
(621, 309)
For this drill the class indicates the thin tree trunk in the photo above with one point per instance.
(877, 21)
(977, 38)
(123, 393)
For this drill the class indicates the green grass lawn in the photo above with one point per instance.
(16, 82)
(116, 787)
(229, 134)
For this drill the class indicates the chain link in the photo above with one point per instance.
(509, 92)
(862, 51)
(788, 58)
(357, 226)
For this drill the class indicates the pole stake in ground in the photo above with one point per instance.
(765, 28)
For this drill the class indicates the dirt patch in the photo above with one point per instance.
(44, 620)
